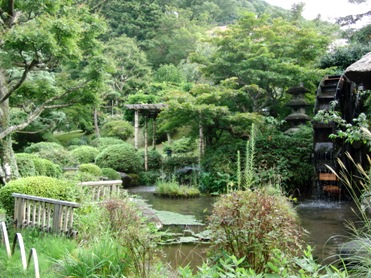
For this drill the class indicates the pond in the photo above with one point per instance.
(325, 222)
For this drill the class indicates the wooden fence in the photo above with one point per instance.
(47, 214)
(102, 190)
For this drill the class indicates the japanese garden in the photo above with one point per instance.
(167, 138)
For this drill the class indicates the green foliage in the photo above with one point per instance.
(149, 177)
(38, 186)
(32, 165)
(171, 164)
(118, 129)
(90, 168)
(172, 189)
(169, 73)
(251, 225)
(77, 176)
(181, 146)
(154, 159)
(102, 142)
(70, 138)
(42, 242)
(121, 157)
(85, 154)
(53, 152)
(111, 174)
(130, 242)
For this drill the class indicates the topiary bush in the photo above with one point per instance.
(111, 174)
(43, 146)
(85, 154)
(38, 186)
(77, 176)
(122, 158)
(91, 168)
(252, 225)
(103, 142)
(53, 152)
(119, 129)
(31, 165)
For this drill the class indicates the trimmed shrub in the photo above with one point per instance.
(38, 186)
(252, 225)
(43, 146)
(119, 129)
(122, 158)
(77, 176)
(103, 142)
(91, 168)
(53, 152)
(85, 154)
(111, 174)
(32, 165)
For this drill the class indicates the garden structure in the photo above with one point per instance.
(297, 104)
(341, 93)
(149, 111)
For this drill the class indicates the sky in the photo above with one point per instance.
(329, 9)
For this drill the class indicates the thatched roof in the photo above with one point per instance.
(360, 71)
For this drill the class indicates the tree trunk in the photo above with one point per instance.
(6, 150)
(96, 126)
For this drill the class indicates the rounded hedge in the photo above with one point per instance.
(85, 154)
(37, 186)
(111, 174)
(119, 129)
(91, 169)
(122, 158)
(103, 142)
(32, 165)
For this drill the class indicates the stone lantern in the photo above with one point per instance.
(297, 105)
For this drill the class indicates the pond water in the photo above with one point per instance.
(325, 222)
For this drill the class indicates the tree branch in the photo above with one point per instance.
(38, 110)
(38, 131)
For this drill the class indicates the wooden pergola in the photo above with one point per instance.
(149, 111)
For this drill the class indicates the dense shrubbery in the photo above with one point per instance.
(154, 159)
(38, 186)
(53, 152)
(91, 169)
(149, 177)
(122, 158)
(31, 165)
(172, 164)
(85, 154)
(103, 142)
(119, 129)
(252, 225)
(110, 173)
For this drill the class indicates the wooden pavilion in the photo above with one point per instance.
(149, 111)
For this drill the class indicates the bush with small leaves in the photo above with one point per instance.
(122, 158)
(103, 142)
(91, 168)
(251, 225)
(111, 174)
(85, 154)
(53, 152)
(31, 165)
(38, 186)
(154, 159)
(119, 129)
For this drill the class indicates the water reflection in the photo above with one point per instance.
(324, 220)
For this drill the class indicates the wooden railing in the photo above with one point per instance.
(102, 190)
(18, 238)
(47, 214)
